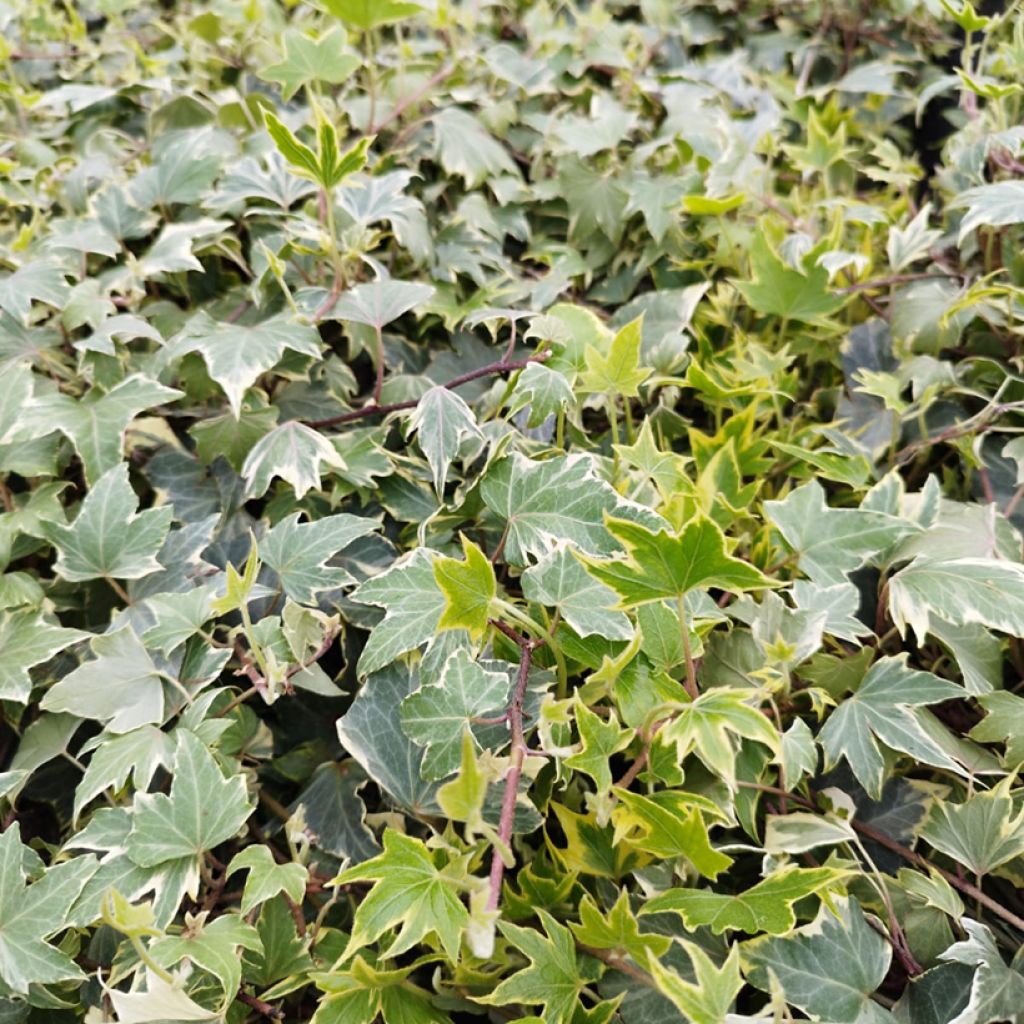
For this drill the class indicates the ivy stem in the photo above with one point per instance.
(118, 589)
(143, 955)
(516, 758)
(684, 634)
(379, 384)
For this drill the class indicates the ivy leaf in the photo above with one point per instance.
(413, 604)
(307, 59)
(962, 592)
(462, 798)
(108, 539)
(559, 499)
(558, 580)
(982, 833)
(618, 929)
(468, 587)
(298, 552)
(159, 1001)
(442, 421)
(377, 303)
(829, 969)
(599, 740)
(120, 687)
(30, 914)
(547, 392)
(832, 542)
(660, 565)
(41, 281)
(997, 991)
(709, 999)
(670, 824)
(466, 149)
(619, 372)
(779, 290)
(990, 206)
(885, 706)
(236, 355)
(766, 907)
(1003, 722)
(437, 715)
(294, 452)
(202, 809)
(367, 14)
(554, 978)
(704, 726)
(410, 892)
(137, 754)
(28, 639)
(267, 878)
(96, 424)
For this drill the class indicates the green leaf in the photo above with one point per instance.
(469, 590)
(298, 552)
(377, 303)
(436, 716)
(466, 149)
(462, 798)
(41, 281)
(829, 968)
(237, 355)
(832, 542)
(367, 14)
(413, 604)
(302, 159)
(780, 290)
(295, 453)
(442, 422)
(618, 929)
(704, 728)
(709, 999)
(30, 914)
(997, 991)
(599, 740)
(1003, 722)
(558, 580)
(108, 539)
(136, 754)
(554, 978)
(964, 591)
(306, 59)
(660, 565)
(765, 907)
(982, 833)
(559, 499)
(885, 707)
(619, 372)
(411, 892)
(121, 687)
(202, 809)
(28, 639)
(267, 878)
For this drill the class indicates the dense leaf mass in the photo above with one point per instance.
(511, 511)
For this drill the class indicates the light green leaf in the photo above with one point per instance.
(202, 809)
(780, 290)
(298, 552)
(295, 453)
(137, 754)
(41, 281)
(661, 565)
(469, 589)
(236, 355)
(885, 706)
(267, 878)
(1003, 723)
(599, 740)
(437, 715)
(466, 149)
(997, 991)
(442, 421)
(306, 59)
(411, 892)
(367, 14)
(28, 639)
(766, 907)
(830, 968)
(709, 999)
(618, 929)
(619, 372)
(108, 538)
(554, 978)
(993, 205)
(377, 303)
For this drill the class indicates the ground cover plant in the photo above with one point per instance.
(511, 512)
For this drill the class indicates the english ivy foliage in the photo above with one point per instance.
(511, 511)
